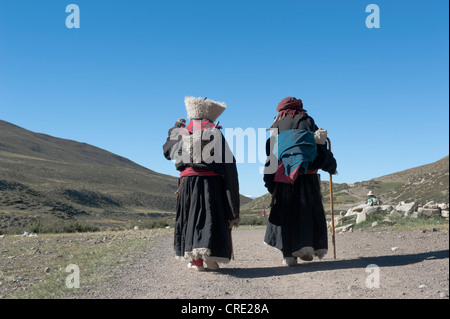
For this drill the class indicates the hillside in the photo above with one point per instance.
(44, 179)
(421, 184)
(41, 175)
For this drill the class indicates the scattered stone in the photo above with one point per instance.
(370, 210)
(429, 212)
(136, 227)
(374, 224)
(407, 208)
(47, 269)
(345, 228)
(394, 248)
(443, 294)
(361, 217)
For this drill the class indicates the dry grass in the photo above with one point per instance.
(35, 267)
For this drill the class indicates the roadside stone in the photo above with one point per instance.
(406, 208)
(429, 212)
(370, 210)
(345, 228)
(361, 217)
(443, 295)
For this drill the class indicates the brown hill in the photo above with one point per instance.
(43, 176)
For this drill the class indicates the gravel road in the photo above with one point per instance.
(410, 264)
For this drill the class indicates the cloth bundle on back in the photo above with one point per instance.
(208, 195)
(297, 223)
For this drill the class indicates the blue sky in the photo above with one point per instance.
(118, 82)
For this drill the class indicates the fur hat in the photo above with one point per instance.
(203, 108)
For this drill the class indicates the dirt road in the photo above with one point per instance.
(411, 264)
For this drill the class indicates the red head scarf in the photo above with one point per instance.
(290, 106)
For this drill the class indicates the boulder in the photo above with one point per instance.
(406, 208)
(356, 209)
(369, 210)
(429, 212)
(444, 213)
(345, 228)
(361, 217)
(431, 205)
(387, 208)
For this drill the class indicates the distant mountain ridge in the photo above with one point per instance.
(41, 175)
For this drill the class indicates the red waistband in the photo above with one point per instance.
(190, 171)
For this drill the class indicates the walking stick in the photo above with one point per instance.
(332, 211)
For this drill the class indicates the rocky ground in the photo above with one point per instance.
(410, 265)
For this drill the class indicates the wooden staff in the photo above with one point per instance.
(332, 210)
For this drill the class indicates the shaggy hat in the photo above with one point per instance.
(370, 193)
(203, 108)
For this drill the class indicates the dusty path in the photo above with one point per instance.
(417, 268)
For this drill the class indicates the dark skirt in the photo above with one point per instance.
(297, 219)
(201, 226)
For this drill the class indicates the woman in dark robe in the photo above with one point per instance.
(208, 193)
(297, 224)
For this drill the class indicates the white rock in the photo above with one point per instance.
(359, 208)
(406, 208)
(394, 248)
(361, 217)
(345, 228)
(444, 213)
(430, 205)
(136, 227)
(387, 208)
(370, 210)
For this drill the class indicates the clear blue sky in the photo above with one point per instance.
(118, 82)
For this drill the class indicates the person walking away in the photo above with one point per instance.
(208, 194)
(297, 223)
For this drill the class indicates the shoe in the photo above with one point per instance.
(212, 265)
(306, 254)
(192, 266)
(320, 253)
(290, 261)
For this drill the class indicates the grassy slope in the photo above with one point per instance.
(50, 180)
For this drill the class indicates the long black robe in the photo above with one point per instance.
(297, 219)
(206, 205)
